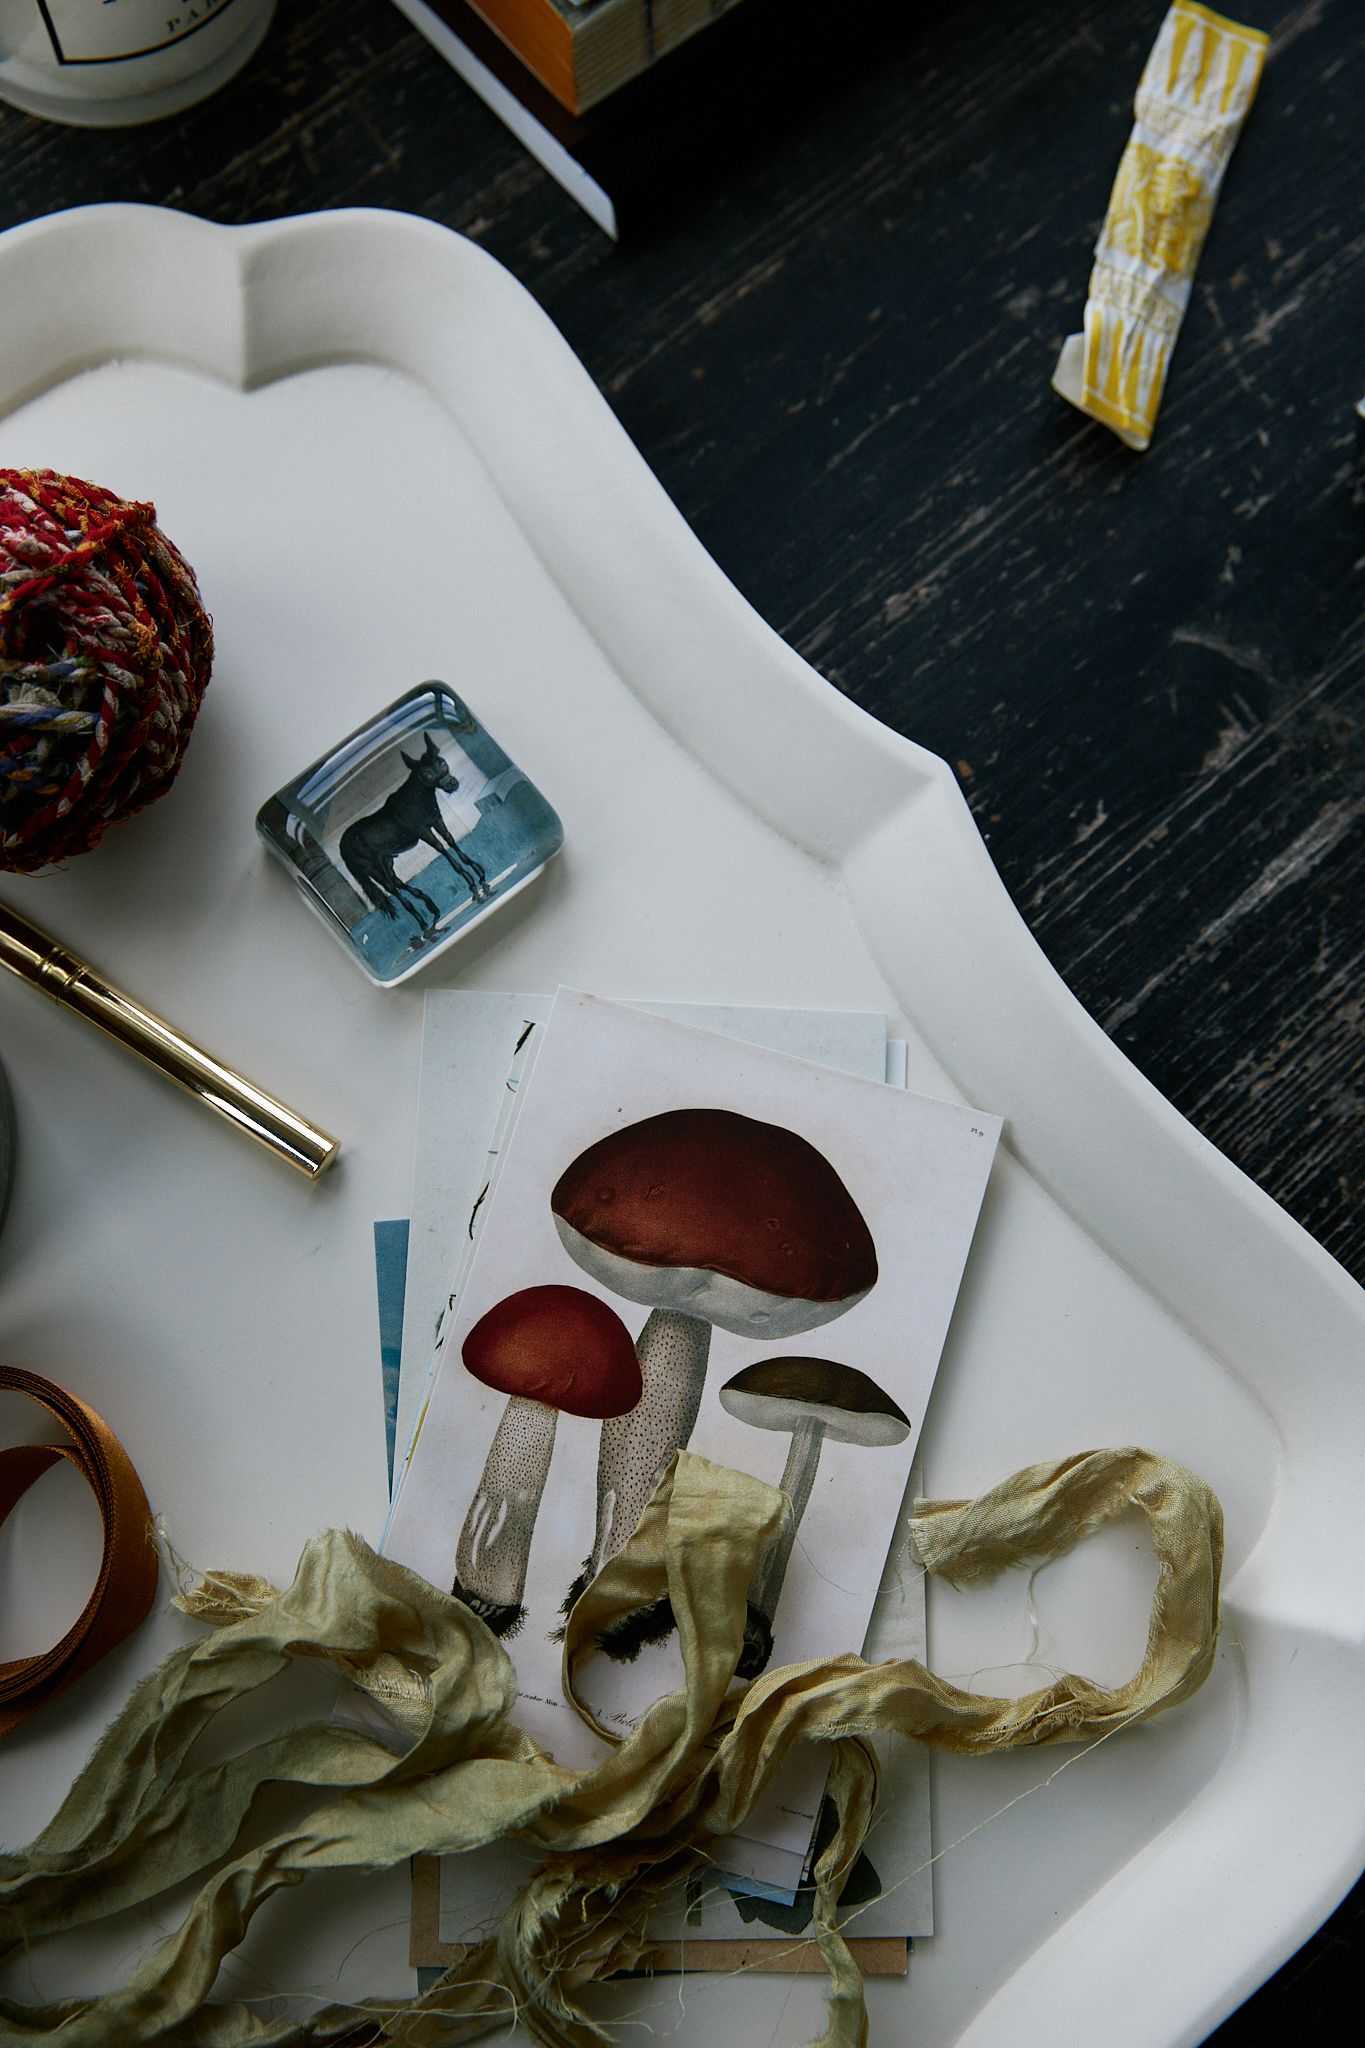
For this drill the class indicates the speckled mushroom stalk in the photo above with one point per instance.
(495, 1542)
(672, 1349)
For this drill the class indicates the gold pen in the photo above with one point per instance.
(39, 960)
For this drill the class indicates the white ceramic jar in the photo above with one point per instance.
(109, 63)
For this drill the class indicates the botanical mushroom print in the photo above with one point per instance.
(811, 1399)
(552, 1351)
(710, 1219)
(861, 1885)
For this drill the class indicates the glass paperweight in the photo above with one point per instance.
(411, 832)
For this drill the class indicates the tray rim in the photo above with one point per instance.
(262, 291)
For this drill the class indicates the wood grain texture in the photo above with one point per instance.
(1148, 671)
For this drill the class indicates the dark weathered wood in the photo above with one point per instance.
(1148, 671)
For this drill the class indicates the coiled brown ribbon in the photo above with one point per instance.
(126, 1585)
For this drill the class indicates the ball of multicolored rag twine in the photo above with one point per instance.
(105, 653)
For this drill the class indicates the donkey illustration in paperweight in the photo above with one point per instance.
(411, 831)
(411, 816)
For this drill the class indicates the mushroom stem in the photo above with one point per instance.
(672, 1350)
(495, 1542)
(798, 1477)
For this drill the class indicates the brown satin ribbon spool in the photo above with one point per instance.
(126, 1585)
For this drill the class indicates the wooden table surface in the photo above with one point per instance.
(1148, 671)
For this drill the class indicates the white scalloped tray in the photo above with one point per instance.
(387, 465)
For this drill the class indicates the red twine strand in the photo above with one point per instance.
(105, 652)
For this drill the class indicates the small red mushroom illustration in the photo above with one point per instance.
(553, 1351)
(710, 1219)
(809, 1399)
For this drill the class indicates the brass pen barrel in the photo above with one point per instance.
(39, 960)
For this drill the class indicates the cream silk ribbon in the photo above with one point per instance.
(142, 1817)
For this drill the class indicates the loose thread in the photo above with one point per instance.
(716, 1979)
(656, 1796)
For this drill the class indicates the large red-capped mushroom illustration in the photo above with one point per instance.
(553, 1351)
(710, 1219)
(812, 1400)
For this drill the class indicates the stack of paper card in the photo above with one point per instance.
(772, 1247)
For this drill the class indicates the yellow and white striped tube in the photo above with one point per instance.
(1194, 95)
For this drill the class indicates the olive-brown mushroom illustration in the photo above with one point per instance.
(553, 1351)
(809, 1399)
(709, 1219)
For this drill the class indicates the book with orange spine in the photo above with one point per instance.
(582, 50)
